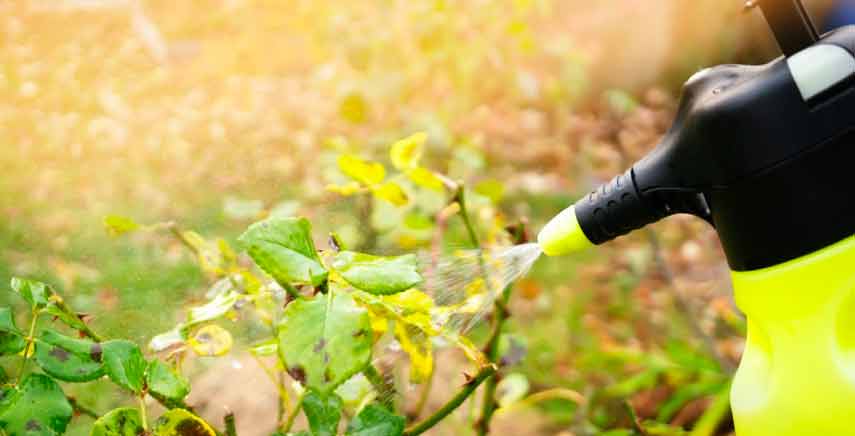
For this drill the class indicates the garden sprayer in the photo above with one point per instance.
(766, 155)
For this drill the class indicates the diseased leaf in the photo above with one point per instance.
(11, 338)
(347, 189)
(407, 152)
(391, 192)
(216, 308)
(124, 364)
(376, 274)
(283, 248)
(119, 422)
(210, 254)
(363, 171)
(165, 383)
(179, 422)
(34, 292)
(163, 341)
(117, 225)
(375, 420)
(417, 344)
(36, 407)
(69, 359)
(324, 341)
(425, 178)
(323, 411)
(211, 340)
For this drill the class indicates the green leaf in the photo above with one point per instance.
(117, 225)
(407, 152)
(283, 248)
(37, 407)
(69, 359)
(11, 338)
(323, 413)
(165, 383)
(36, 293)
(375, 420)
(124, 364)
(492, 189)
(378, 275)
(179, 422)
(118, 422)
(324, 341)
(363, 171)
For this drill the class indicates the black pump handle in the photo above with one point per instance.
(791, 24)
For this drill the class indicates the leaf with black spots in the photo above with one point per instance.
(119, 422)
(324, 341)
(375, 420)
(124, 364)
(36, 407)
(69, 359)
(11, 338)
(179, 422)
(323, 412)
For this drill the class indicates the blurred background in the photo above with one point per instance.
(214, 113)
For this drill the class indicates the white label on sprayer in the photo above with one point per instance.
(819, 67)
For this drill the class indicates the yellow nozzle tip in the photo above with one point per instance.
(563, 235)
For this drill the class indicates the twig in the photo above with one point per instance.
(460, 196)
(229, 420)
(683, 306)
(143, 413)
(385, 388)
(81, 409)
(423, 397)
(83, 327)
(453, 403)
(297, 407)
(29, 345)
(501, 314)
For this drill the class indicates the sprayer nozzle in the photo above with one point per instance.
(563, 235)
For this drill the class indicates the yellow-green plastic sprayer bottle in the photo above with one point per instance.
(766, 155)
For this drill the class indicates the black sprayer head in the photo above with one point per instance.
(763, 153)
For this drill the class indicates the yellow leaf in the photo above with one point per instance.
(391, 192)
(425, 178)
(368, 173)
(118, 225)
(407, 152)
(418, 346)
(354, 108)
(211, 340)
(347, 189)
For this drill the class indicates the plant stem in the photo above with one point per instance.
(290, 422)
(229, 419)
(81, 409)
(143, 418)
(385, 388)
(30, 340)
(84, 328)
(291, 290)
(488, 405)
(453, 403)
(460, 196)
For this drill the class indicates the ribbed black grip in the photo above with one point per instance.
(614, 209)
